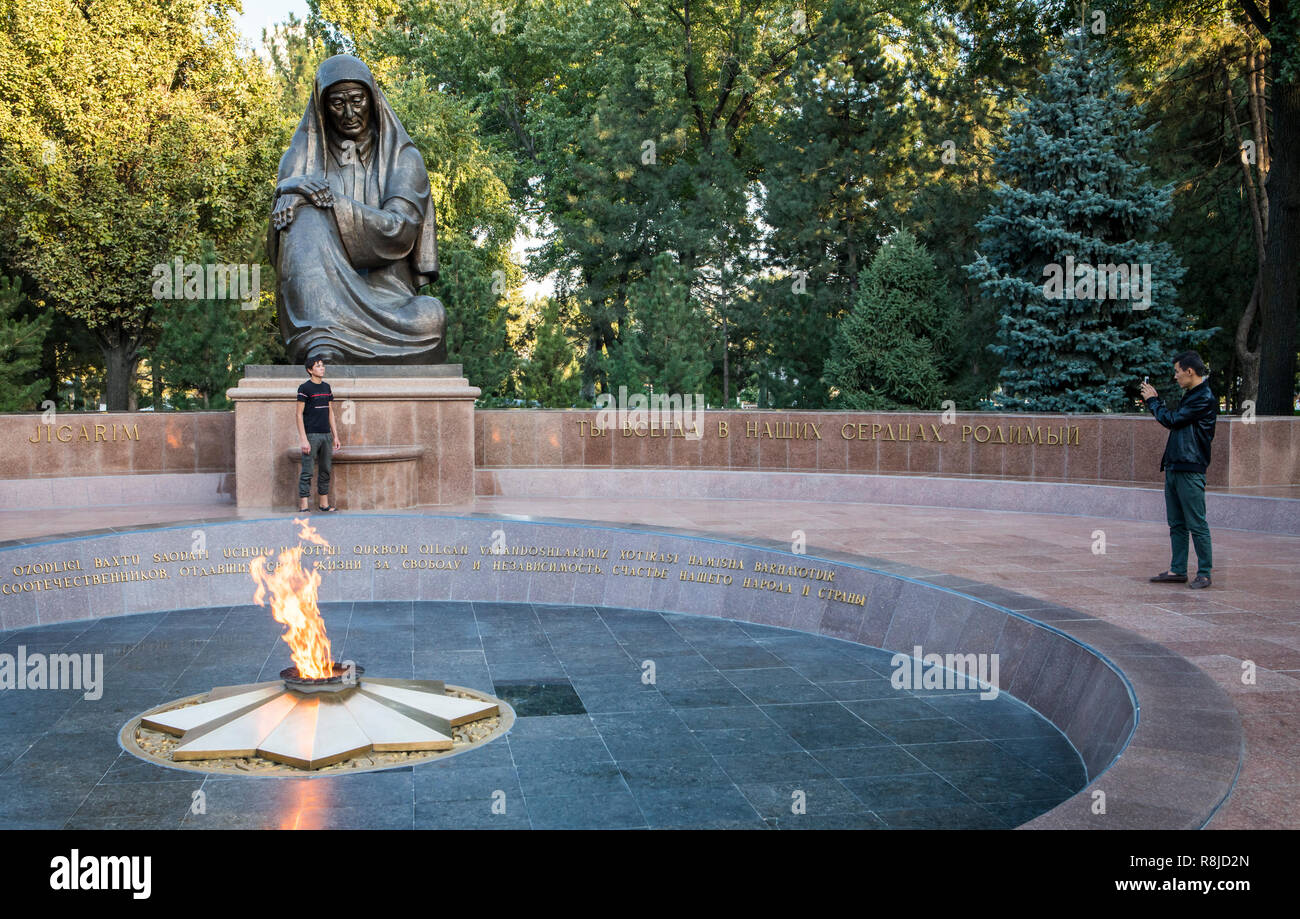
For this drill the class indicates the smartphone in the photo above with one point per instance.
(1146, 380)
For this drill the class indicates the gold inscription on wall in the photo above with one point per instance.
(108, 569)
(806, 581)
(83, 433)
(900, 432)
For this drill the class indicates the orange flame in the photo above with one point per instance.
(293, 604)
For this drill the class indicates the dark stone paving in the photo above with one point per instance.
(627, 719)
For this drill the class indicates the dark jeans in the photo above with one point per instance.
(1185, 511)
(322, 452)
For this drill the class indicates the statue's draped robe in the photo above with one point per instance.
(348, 275)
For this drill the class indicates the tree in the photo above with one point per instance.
(889, 352)
(131, 129)
(1275, 128)
(1074, 202)
(551, 374)
(203, 344)
(1205, 95)
(21, 344)
(666, 346)
(477, 312)
(843, 138)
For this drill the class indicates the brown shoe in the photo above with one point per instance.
(1170, 576)
(1199, 583)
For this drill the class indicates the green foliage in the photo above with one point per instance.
(889, 352)
(203, 344)
(665, 345)
(1074, 188)
(476, 317)
(706, 181)
(131, 128)
(842, 139)
(21, 341)
(468, 176)
(551, 375)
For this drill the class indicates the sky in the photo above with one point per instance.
(260, 14)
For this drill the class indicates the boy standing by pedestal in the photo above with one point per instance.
(316, 435)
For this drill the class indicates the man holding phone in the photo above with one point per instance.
(1186, 457)
(316, 435)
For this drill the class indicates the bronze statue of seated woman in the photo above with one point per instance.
(353, 235)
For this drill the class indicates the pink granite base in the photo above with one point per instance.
(433, 413)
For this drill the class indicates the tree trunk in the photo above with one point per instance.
(50, 368)
(1249, 357)
(726, 367)
(1280, 278)
(155, 374)
(121, 355)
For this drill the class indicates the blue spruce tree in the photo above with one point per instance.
(1086, 296)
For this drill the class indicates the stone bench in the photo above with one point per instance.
(370, 477)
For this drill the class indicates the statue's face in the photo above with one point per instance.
(347, 105)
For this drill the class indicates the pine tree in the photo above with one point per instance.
(833, 157)
(476, 318)
(551, 374)
(889, 352)
(1074, 193)
(21, 341)
(203, 344)
(667, 343)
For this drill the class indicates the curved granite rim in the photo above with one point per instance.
(1172, 767)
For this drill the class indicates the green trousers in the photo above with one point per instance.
(1185, 511)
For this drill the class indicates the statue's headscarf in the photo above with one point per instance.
(400, 176)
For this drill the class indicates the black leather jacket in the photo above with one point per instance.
(1191, 428)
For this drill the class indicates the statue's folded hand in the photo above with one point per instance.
(314, 189)
(317, 190)
(282, 213)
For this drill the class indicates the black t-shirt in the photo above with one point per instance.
(315, 399)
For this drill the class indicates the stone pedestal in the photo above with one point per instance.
(407, 435)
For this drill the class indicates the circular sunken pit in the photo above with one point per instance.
(428, 595)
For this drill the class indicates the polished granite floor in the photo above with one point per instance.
(740, 725)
